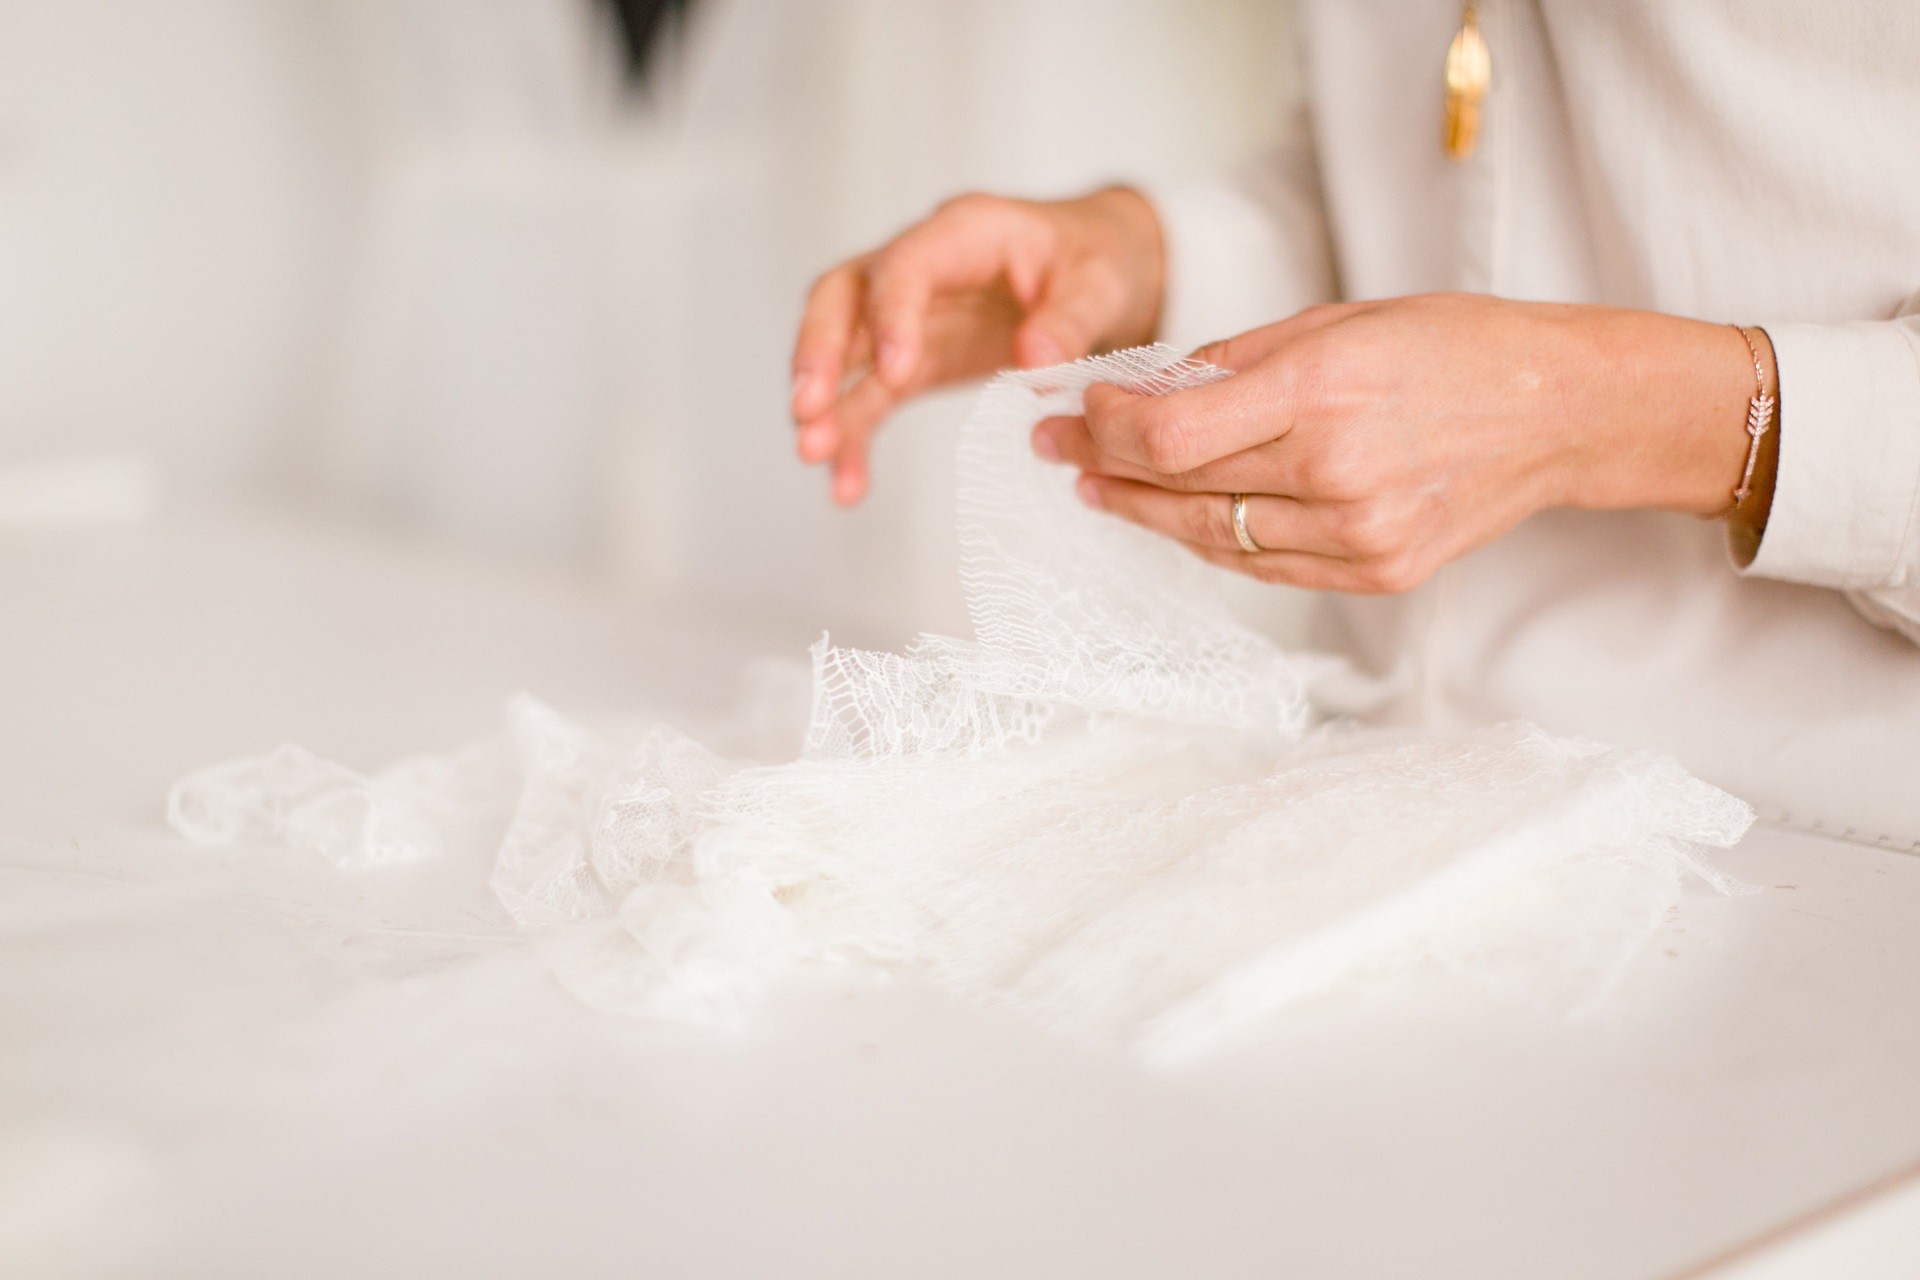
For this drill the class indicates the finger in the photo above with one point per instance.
(901, 290)
(826, 329)
(816, 441)
(1075, 309)
(967, 244)
(862, 410)
(818, 438)
(1302, 569)
(1183, 430)
(1206, 519)
(1066, 440)
(858, 415)
(1187, 429)
(851, 478)
(1258, 470)
(859, 356)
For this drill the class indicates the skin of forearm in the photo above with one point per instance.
(1657, 410)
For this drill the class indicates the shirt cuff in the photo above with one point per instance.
(1844, 498)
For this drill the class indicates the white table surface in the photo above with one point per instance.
(240, 1063)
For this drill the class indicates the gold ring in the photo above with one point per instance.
(1240, 534)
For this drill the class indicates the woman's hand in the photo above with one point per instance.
(983, 283)
(1380, 440)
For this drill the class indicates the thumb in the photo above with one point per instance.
(1077, 309)
(1238, 353)
(1243, 350)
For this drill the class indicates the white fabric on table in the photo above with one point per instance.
(1104, 811)
(239, 1062)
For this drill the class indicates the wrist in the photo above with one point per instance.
(1668, 425)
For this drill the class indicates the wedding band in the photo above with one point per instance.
(1240, 534)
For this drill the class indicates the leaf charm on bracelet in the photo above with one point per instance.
(1469, 72)
(1759, 415)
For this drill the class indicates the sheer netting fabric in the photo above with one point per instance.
(1114, 810)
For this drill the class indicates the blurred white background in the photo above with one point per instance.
(437, 263)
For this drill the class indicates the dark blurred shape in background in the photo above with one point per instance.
(643, 24)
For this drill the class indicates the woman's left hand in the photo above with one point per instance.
(1379, 440)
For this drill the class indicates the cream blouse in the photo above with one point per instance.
(1755, 163)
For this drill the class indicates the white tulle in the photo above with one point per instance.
(1111, 811)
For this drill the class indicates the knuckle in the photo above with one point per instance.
(969, 204)
(1329, 472)
(888, 266)
(1391, 575)
(1165, 449)
(1369, 529)
(899, 266)
(825, 284)
(1164, 442)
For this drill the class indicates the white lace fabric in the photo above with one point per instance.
(1110, 811)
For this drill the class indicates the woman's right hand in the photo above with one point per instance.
(983, 283)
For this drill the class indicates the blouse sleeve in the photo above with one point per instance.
(1245, 249)
(1846, 500)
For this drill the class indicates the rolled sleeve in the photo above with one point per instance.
(1845, 496)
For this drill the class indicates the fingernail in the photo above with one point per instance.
(1045, 445)
(847, 489)
(803, 381)
(1089, 490)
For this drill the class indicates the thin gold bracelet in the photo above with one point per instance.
(1759, 418)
